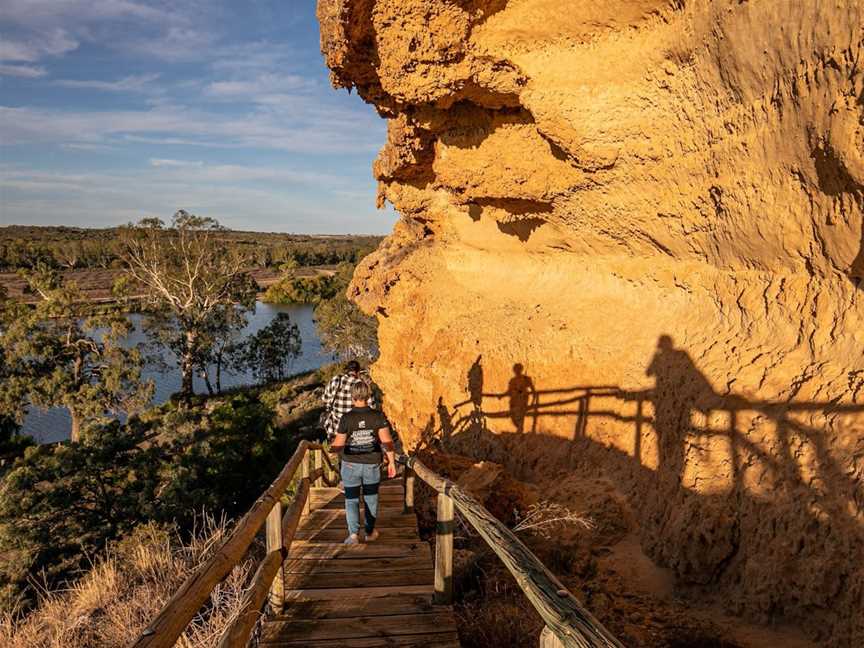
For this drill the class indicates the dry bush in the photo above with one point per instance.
(545, 518)
(491, 609)
(110, 605)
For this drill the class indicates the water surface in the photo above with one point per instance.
(55, 425)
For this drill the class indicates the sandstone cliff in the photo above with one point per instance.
(631, 245)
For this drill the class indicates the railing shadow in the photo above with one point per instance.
(765, 496)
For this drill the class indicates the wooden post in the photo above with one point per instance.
(444, 551)
(275, 543)
(304, 473)
(164, 630)
(319, 463)
(408, 487)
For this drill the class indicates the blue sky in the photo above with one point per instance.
(116, 110)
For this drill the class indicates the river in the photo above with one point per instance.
(54, 424)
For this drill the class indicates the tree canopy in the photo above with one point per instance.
(343, 328)
(64, 352)
(191, 282)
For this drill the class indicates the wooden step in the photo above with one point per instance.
(340, 592)
(353, 580)
(361, 627)
(386, 518)
(437, 640)
(303, 550)
(377, 594)
(358, 606)
(338, 533)
(366, 565)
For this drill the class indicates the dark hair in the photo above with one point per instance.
(352, 367)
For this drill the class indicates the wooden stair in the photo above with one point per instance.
(359, 596)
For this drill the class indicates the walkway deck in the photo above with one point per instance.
(360, 596)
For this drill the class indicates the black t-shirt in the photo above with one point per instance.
(361, 426)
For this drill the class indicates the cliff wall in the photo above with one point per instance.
(631, 245)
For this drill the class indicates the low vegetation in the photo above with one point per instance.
(26, 247)
(63, 504)
(125, 588)
(64, 353)
(96, 533)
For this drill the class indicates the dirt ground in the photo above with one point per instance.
(604, 566)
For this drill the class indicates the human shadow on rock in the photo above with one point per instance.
(729, 491)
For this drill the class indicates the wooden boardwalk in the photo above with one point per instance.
(359, 596)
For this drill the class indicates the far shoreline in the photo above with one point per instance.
(95, 284)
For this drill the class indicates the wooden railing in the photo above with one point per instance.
(269, 578)
(568, 623)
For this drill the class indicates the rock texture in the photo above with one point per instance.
(631, 245)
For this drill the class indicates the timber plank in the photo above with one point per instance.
(339, 533)
(359, 596)
(342, 592)
(353, 607)
(362, 627)
(388, 488)
(318, 580)
(440, 640)
(303, 550)
(388, 499)
(366, 565)
(392, 508)
(324, 517)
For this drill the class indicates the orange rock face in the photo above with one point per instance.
(631, 245)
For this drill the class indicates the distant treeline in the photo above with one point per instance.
(24, 247)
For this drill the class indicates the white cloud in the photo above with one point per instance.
(41, 13)
(263, 85)
(101, 199)
(42, 28)
(134, 83)
(162, 162)
(83, 146)
(176, 43)
(51, 43)
(24, 71)
(301, 130)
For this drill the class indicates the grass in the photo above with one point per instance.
(112, 603)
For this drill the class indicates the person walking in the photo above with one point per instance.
(337, 396)
(362, 439)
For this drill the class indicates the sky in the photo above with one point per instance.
(116, 110)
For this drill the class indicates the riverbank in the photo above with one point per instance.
(165, 468)
(47, 426)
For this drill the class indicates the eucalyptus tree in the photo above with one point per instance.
(343, 328)
(65, 352)
(190, 279)
(271, 351)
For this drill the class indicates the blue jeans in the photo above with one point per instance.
(356, 478)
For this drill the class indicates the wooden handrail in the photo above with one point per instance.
(237, 634)
(172, 620)
(565, 617)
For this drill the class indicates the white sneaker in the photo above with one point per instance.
(352, 539)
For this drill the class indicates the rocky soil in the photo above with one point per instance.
(602, 563)
(631, 250)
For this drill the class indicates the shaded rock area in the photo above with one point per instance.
(603, 565)
(631, 250)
